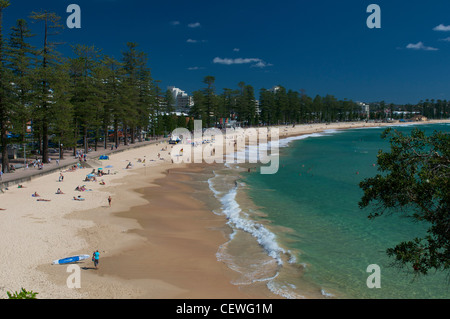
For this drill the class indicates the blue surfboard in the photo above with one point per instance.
(69, 260)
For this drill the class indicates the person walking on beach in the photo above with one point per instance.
(95, 258)
(109, 201)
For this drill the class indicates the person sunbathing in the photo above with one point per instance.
(43, 200)
(36, 195)
(59, 191)
(79, 198)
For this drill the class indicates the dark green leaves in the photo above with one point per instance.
(414, 179)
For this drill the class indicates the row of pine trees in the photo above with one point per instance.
(273, 107)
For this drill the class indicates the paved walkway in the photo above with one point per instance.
(23, 175)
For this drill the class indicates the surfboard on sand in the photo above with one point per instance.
(69, 260)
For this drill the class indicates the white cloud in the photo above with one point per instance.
(195, 41)
(193, 68)
(228, 61)
(420, 46)
(446, 39)
(236, 49)
(442, 27)
(175, 22)
(261, 64)
(257, 62)
(194, 25)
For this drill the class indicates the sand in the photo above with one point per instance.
(156, 240)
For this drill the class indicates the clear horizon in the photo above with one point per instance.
(322, 48)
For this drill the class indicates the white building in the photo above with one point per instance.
(365, 108)
(274, 89)
(183, 102)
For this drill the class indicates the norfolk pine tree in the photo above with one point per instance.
(22, 59)
(50, 58)
(5, 93)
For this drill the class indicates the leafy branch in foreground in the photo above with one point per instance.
(23, 294)
(416, 183)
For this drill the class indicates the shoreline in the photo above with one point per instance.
(182, 237)
(42, 234)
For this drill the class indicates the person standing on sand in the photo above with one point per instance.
(95, 258)
(109, 201)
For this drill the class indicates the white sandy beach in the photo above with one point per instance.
(34, 233)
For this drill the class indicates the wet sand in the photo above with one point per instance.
(182, 238)
(167, 248)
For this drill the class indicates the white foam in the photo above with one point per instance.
(238, 219)
(283, 291)
(293, 258)
(326, 294)
(210, 183)
(255, 152)
(286, 141)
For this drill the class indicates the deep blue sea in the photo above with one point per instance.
(300, 231)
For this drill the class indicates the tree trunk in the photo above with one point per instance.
(106, 137)
(76, 138)
(125, 134)
(45, 156)
(116, 133)
(139, 129)
(61, 152)
(5, 160)
(85, 140)
(132, 132)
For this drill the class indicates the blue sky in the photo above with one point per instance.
(323, 47)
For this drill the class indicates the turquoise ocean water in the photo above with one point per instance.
(300, 231)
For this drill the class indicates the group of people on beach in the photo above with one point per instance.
(82, 189)
(39, 199)
(81, 156)
(60, 192)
